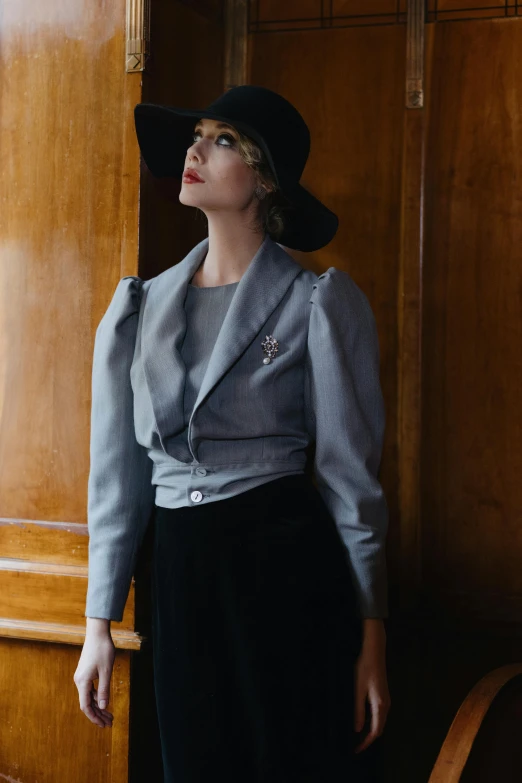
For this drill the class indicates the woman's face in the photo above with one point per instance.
(228, 182)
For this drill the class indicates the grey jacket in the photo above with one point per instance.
(323, 385)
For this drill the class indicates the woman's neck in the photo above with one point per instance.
(227, 258)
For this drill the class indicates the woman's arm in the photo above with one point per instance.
(371, 681)
(373, 630)
(346, 417)
(98, 625)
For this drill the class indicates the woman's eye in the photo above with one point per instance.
(230, 139)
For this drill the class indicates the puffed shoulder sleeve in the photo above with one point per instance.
(120, 493)
(345, 411)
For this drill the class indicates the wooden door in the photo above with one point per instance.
(413, 110)
(69, 227)
(416, 143)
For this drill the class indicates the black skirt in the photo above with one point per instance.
(255, 632)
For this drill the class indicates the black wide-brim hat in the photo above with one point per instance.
(165, 133)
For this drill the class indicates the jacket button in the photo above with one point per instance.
(201, 471)
(196, 496)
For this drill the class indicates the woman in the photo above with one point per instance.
(269, 594)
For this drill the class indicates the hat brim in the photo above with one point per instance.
(164, 135)
(309, 224)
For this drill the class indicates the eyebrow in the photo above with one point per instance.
(218, 125)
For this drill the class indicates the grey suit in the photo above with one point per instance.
(323, 385)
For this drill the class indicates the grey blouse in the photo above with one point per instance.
(205, 310)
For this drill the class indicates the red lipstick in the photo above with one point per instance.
(191, 175)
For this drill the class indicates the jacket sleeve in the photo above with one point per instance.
(120, 493)
(345, 413)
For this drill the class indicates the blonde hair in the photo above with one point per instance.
(272, 207)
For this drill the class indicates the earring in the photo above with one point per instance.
(260, 192)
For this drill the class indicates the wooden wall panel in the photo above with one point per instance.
(68, 228)
(187, 70)
(472, 328)
(68, 232)
(44, 736)
(439, 186)
(349, 86)
(71, 195)
(272, 16)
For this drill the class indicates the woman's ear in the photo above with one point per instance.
(260, 192)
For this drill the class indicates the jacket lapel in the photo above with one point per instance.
(263, 285)
(163, 330)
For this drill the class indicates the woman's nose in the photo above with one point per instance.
(194, 151)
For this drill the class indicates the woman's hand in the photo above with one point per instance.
(371, 681)
(96, 662)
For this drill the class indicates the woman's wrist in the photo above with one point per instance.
(374, 633)
(98, 625)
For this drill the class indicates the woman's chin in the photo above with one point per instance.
(189, 199)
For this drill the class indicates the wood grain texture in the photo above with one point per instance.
(43, 578)
(168, 229)
(68, 233)
(350, 89)
(472, 326)
(44, 736)
(61, 633)
(236, 43)
(454, 755)
(48, 593)
(409, 358)
(46, 542)
(415, 32)
(68, 228)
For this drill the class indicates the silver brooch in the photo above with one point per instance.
(270, 347)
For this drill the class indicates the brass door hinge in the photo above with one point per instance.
(137, 51)
(415, 44)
